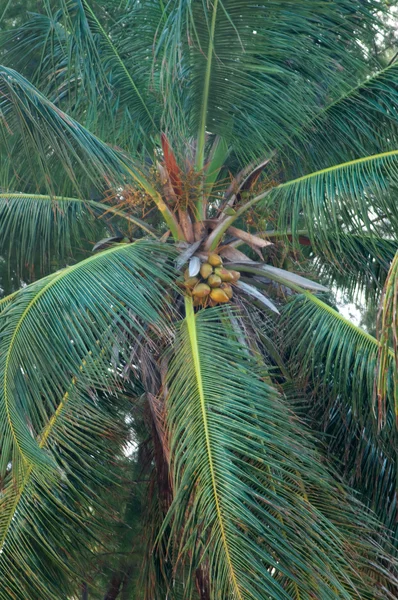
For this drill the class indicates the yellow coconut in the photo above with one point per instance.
(224, 274)
(191, 282)
(206, 270)
(214, 260)
(201, 290)
(218, 295)
(236, 275)
(214, 281)
(227, 289)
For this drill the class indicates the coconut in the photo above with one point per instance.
(227, 289)
(201, 290)
(191, 282)
(236, 275)
(206, 270)
(218, 295)
(214, 260)
(214, 281)
(224, 274)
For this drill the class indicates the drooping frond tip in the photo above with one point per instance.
(388, 339)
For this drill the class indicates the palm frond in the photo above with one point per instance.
(40, 228)
(389, 335)
(362, 122)
(341, 198)
(249, 486)
(74, 305)
(337, 360)
(32, 124)
(79, 68)
(58, 338)
(355, 262)
(49, 525)
(232, 70)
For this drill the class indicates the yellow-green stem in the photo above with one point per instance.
(193, 338)
(201, 139)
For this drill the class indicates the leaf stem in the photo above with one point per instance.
(193, 338)
(90, 203)
(216, 235)
(201, 139)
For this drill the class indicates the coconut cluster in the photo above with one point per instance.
(213, 284)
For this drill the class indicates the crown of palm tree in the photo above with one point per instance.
(220, 149)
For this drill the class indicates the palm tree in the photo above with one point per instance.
(239, 160)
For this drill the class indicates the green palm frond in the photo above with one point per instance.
(248, 482)
(99, 77)
(33, 124)
(73, 306)
(80, 69)
(48, 524)
(58, 338)
(389, 335)
(337, 360)
(233, 72)
(40, 228)
(338, 198)
(355, 262)
(363, 121)
(33, 37)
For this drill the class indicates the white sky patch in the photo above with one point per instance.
(349, 310)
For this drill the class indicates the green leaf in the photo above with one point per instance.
(230, 66)
(356, 261)
(249, 486)
(40, 228)
(51, 326)
(338, 360)
(79, 67)
(362, 122)
(217, 158)
(339, 198)
(33, 124)
(48, 132)
(389, 334)
(48, 524)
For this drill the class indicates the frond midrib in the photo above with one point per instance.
(345, 165)
(54, 279)
(91, 203)
(192, 333)
(45, 434)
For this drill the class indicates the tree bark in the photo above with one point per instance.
(84, 591)
(114, 586)
(126, 584)
(202, 583)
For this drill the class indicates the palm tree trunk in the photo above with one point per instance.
(202, 583)
(114, 586)
(84, 591)
(125, 595)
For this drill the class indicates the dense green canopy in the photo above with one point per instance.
(184, 413)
